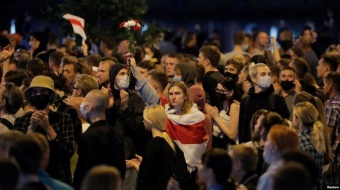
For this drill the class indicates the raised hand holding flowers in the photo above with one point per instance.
(132, 27)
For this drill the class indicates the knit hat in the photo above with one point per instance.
(197, 96)
(41, 82)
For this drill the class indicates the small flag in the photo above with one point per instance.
(78, 24)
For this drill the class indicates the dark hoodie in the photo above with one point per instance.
(188, 73)
(266, 99)
(130, 121)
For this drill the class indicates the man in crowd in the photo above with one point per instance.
(83, 85)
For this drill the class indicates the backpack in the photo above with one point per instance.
(7, 123)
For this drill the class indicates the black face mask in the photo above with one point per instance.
(287, 85)
(231, 75)
(221, 97)
(40, 101)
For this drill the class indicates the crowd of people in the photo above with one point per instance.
(264, 116)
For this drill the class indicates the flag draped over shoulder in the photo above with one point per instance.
(189, 134)
(78, 24)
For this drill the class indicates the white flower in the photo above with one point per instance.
(130, 24)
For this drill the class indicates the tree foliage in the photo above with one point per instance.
(102, 17)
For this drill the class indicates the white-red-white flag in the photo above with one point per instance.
(78, 24)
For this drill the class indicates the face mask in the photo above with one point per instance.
(177, 78)
(231, 75)
(287, 85)
(268, 155)
(124, 82)
(40, 101)
(265, 82)
(221, 97)
(245, 47)
(82, 110)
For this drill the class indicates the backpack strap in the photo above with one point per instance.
(7, 123)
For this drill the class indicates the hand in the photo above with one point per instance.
(85, 49)
(212, 111)
(6, 53)
(40, 117)
(35, 46)
(130, 164)
(124, 98)
(297, 86)
(109, 93)
(132, 61)
(241, 187)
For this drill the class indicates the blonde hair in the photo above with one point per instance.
(157, 117)
(308, 115)
(253, 68)
(102, 177)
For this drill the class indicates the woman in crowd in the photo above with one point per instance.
(163, 158)
(279, 139)
(226, 121)
(102, 178)
(185, 125)
(11, 100)
(305, 117)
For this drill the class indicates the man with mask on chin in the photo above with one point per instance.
(261, 96)
(289, 86)
(56, 127)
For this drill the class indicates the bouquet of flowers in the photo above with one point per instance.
(132, 26)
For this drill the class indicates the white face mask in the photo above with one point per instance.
(124, 82)
(177, 78)
(245, 47)
(82, 110)
(265, 82)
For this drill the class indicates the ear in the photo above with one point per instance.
(253, 79)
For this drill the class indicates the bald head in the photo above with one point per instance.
(98, 99)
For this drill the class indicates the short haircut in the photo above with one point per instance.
(109, 42)
(292, 176)
(109, 58)
(212, 53)
(16, 77)
(23, 57)
(332, 59)
(14, 98)
(147, 64)
(334, 78)
(238, 38)
(71, 60)
(178, 56)
(258, 59)
(28, 154)
(284, 138)
(86, 83)
(270, 119)
(102, 177)
(246, 155)
(56, 57)
(301, 67)
(237, 61)
(99, 99)
(9, 174)
(285, 62)
(287, 68)
(93, 60)
(159, 76)
(37, 66)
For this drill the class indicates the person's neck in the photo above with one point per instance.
(237, 48)
(239, 175)
(257, 89)
(26, 178)
(277, 86)
(156, 133)
(210, 68)
(108, 52)
(286, 93)
(52, 46)
(305, 49)
(178, 110)
(97, 117)
(246, 85)
(333, 94)
(260, 47)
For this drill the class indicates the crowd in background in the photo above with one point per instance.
(170, 114)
